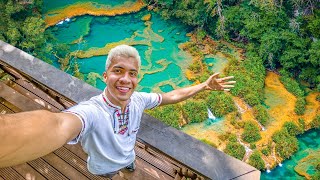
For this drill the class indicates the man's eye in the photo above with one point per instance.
(117, 71)
(133, 74)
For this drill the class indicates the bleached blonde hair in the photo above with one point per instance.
(123, 51)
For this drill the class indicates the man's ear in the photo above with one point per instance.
(105, 77)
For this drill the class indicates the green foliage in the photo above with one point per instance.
(251, 132)
(220, 103)
(292, 128)
(300, 106)
(286, 144)
(315, 123)
(302, 124)
(235, 149)
(261, 114)
(232, 138)
(266, 151)
(256, 161)
(195, 111)
(250, 75)
(169, 114)
(292, 86)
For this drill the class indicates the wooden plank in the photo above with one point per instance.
(46, 170)
(76, 162)
(28, 172)
(159, 163)
(8, 107)
(77, 150)
(9, 173)
(4, 109)
(36, 93)
(20, 101)
(146, 171)
(63, 167)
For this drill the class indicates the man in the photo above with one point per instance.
(106, 125)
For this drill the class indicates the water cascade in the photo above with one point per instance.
(210, 115)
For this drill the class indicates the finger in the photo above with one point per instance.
(227, 90)
(229, 82)
(228, 86)
(215, 75)
(226, 78)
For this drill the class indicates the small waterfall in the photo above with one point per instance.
(210, 115)
(240, 110)
(280, 165)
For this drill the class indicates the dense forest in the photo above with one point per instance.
(280, 36)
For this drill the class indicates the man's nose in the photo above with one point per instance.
(125, 78)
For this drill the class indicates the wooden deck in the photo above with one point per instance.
(20, 93)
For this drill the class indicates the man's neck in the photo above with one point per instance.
(122, 104)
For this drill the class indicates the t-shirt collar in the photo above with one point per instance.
(109, 103)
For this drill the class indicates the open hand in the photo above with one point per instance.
(219, 84)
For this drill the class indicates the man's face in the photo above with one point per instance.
(121, 79)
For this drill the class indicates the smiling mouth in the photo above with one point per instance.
(123, 89)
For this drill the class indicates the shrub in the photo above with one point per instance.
(292, 86)
(302, 124)
(261, 114)
(195, 111)
(251, 132)
(256, 161)
(235, 149)
(286, 144)
(232, 138)
(169, 114)
(315, 123)
(292, 128)
(220, 103)
(266, 151)
(300, 108)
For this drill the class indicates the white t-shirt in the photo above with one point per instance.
(108, 135)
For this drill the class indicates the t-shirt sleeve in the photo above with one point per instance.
(85, 112)
(150, 100)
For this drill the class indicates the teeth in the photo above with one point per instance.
(123, 88)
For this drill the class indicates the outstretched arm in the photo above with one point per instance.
(212, 83)
(29, 135)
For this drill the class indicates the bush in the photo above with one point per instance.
(266, 151)
(292, 86)
(261, 114)
(220, 103)
(236, 150)
(302, 124)
(286, 144)
(169, 114)
(315, 123)
(292, 128)
(251, 132)
(256, 161)
(209, 143)
(232, 138)
(195, 111)
(300, 106)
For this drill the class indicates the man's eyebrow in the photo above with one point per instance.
(120, 67)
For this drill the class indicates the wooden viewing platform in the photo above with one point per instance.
(162, 152)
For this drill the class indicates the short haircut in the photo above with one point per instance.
(123, 51)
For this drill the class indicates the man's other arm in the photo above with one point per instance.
(212, 83)
(29, 135)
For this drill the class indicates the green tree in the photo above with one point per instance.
(195, 111)
(256, 161)
(251, 132)
(261, 114)
(235, 149)
(220, 103)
